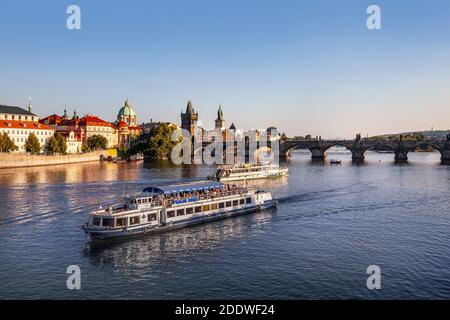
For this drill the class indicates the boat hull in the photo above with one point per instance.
(101, 234)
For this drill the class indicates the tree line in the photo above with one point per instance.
(56, 144)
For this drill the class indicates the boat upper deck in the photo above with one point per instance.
(173, 195)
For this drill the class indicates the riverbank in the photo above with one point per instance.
(8, 160)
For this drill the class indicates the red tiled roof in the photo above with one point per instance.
(53, 119)
(122, 124)
(90, 120)
(23, 125)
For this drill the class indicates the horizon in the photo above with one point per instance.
(305, 68)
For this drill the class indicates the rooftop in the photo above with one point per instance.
(186, 187)
(15, 110)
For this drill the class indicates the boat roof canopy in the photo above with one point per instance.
(188, 187)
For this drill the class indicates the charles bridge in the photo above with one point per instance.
(358, 147)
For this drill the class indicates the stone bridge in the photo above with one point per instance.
(359, 147)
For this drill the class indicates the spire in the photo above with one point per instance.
(29, 104)
(75, 114)
(127, 103)
(232, 127)
(65, 116)
(220, 113)
(189, 108)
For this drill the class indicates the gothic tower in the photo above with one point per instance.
(189, 118)
(220, 121)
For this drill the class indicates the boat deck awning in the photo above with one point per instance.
(187, 187)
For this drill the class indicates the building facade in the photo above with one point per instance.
(19, 123)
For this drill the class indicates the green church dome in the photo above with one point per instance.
(126, 110)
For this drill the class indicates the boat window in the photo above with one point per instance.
(205, 207)
(180, 212)
(139, 201)
(152, 217)
(198, 209)
(248, 200)
(108, 222)
(221, 205)
(228, 204)
(235, 202)
(134, 220)
(189, 210)
(96, 221)
(170, 213)
(213, 206)
(242, 201)
(121, 222)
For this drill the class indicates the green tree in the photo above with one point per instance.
(56, 144)
(62, 144)
(32, 144)
(157, 144)
(6, 144)
(97, 142)
(52, 145)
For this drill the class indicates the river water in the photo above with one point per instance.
(331, 223)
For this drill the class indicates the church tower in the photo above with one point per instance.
(189, 118)
(220, 121)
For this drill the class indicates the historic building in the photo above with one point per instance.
(189, 118)
(127, 114)
(220, 121)
(78, 130)
(126, 125)
(18, 123)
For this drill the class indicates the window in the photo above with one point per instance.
(171, 214)
(221, 205)
(248, 200)
(242, 201)
(121, 222)
(205, 207)
(134, 220)
(108, 222)
(180, 212)
(152, 217)
(198, 209)
(228, 204)
(235, 203)
(214, 206)
(189, 210)
(96, 221)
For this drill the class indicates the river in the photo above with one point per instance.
(332, 222)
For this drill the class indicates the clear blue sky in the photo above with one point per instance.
(306, 66)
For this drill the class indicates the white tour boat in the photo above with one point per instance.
(247, 172)
(163, 208)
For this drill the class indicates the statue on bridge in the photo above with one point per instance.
(358, 137)
(448, 137)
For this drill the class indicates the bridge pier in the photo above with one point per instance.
(358, 152)
(317, 153)
(401, 156)
(445, 156)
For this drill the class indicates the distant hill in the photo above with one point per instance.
(431, 134)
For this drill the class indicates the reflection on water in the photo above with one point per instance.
(332, 221)
(148, 250)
